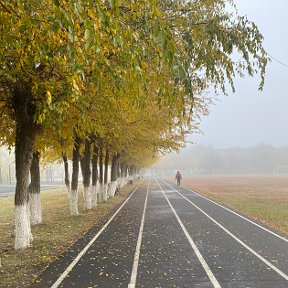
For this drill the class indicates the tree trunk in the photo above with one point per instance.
(34, 189)
(126, 171)
(124, 174)
(105, 189)
(130, 173)
(134, 172)
(113, 184)
(118, 170)
(66, 172)
(94, 175)
(24, 145)
(75, 174)
(86, 173)
(101, 184)
(119, 179)
(123, 180)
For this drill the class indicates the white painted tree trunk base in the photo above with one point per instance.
(100, 192)
(35, 208)
(119, 180)
(23, 234)
(94, 195)
(113, 186)
(73, 201)
(29, 222)
(123, 182)
(87, 198)
(104, 191)
(108, 191)
(136, 176)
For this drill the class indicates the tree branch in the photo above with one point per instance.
(79, 109)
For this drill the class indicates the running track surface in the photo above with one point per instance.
(168, 236)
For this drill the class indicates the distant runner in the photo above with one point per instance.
(178, 177)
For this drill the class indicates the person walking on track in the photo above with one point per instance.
(178, 178)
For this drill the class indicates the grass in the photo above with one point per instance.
(57, 233)
(263, 198)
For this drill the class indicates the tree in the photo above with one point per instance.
(94, 174)
(34, 190)
(75, 172)
(86, 172)
(81, 57)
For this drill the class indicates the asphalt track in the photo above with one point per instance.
(167, 236)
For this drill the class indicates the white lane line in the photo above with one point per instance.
(133, 278)
(204, 264)
(78, 257)
(243, 217)
(282, 274)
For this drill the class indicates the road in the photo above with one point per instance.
(168, 236)
(9, 190)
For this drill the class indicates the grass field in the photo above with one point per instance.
(263, 198)
(58, 232)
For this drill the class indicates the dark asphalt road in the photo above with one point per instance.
(187, 241)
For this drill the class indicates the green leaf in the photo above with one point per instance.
(89, 43)
(56, 2)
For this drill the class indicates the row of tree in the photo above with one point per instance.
(109, 82)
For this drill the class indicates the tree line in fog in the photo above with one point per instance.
(202, 159)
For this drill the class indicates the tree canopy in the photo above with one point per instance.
(128, 75)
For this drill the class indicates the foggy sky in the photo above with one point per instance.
(249, 117)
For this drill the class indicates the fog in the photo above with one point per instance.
(261, 159)
(248, 118)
